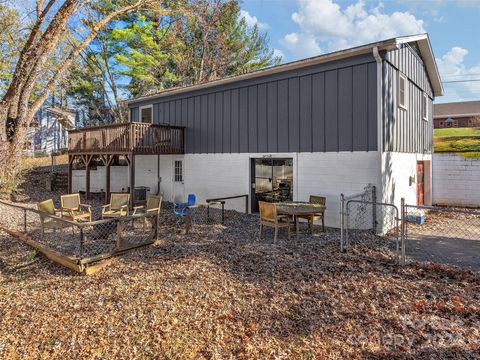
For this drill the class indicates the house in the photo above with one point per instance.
(49, 131)
(325, 125)
(456, 114)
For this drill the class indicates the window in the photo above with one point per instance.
(178, 171)
(402, 91)
(425, 107)
(146, 114)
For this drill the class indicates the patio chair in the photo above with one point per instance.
(269, 217)
(153, 206)
(317, 216)
(73, 210)
(118, 206)
(180, 209)
(49, 222)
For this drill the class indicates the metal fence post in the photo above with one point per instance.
(374, 209)
(403, 229)
(342, 220)
(223, 212)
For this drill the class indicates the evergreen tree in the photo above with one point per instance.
(193, 42)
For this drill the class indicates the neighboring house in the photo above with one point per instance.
(49, 132)
(325, 125)
(456, 114)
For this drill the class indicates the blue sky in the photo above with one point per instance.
(302, 28)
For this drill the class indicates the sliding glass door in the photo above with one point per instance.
(272, 180)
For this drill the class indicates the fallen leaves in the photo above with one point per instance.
(221, 293)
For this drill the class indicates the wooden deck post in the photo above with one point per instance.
(107, 182)
(88, 160)
(107, 161)
(71, 158)
(131, 162)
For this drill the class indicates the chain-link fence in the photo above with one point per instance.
(366, 223)
(443, 234)
(422, 233)
(79, 242)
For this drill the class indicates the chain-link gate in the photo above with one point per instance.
(373, 225)
(368, 223)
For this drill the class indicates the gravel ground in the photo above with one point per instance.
(220, 293)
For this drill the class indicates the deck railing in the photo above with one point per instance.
(138, 138)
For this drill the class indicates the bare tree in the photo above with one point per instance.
(48, 32)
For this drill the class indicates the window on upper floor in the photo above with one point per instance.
(146, 114)
(402, 91)
(425, 107)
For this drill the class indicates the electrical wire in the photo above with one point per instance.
(460, 81)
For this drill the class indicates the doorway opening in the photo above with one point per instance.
(420, 182)
(271, 180)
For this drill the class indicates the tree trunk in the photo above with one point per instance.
(16, 108)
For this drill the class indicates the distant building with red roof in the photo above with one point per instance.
(456, 114)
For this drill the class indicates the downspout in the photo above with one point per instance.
(381, 179)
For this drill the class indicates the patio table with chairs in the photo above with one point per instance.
(280, 215)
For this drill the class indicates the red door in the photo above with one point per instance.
(420, 182)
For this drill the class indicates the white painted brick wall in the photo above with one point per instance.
(216, 175)
(325, 174)
(456, 181)
(397, 169)
(330, 174)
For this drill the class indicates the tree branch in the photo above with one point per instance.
(67, 63)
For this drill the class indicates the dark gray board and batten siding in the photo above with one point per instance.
(322, 108)
(404, 129)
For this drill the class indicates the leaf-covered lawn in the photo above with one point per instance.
(218, 294)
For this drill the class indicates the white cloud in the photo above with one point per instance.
(278, 53)
(329, 26)
(452, 68)
(252, 20)
(301, 45)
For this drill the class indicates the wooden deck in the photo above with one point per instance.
(127, 138)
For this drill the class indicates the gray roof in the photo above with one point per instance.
(456, 109)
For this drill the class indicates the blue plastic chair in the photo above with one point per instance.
(180, 209)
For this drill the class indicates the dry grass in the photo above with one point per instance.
(28, 163)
